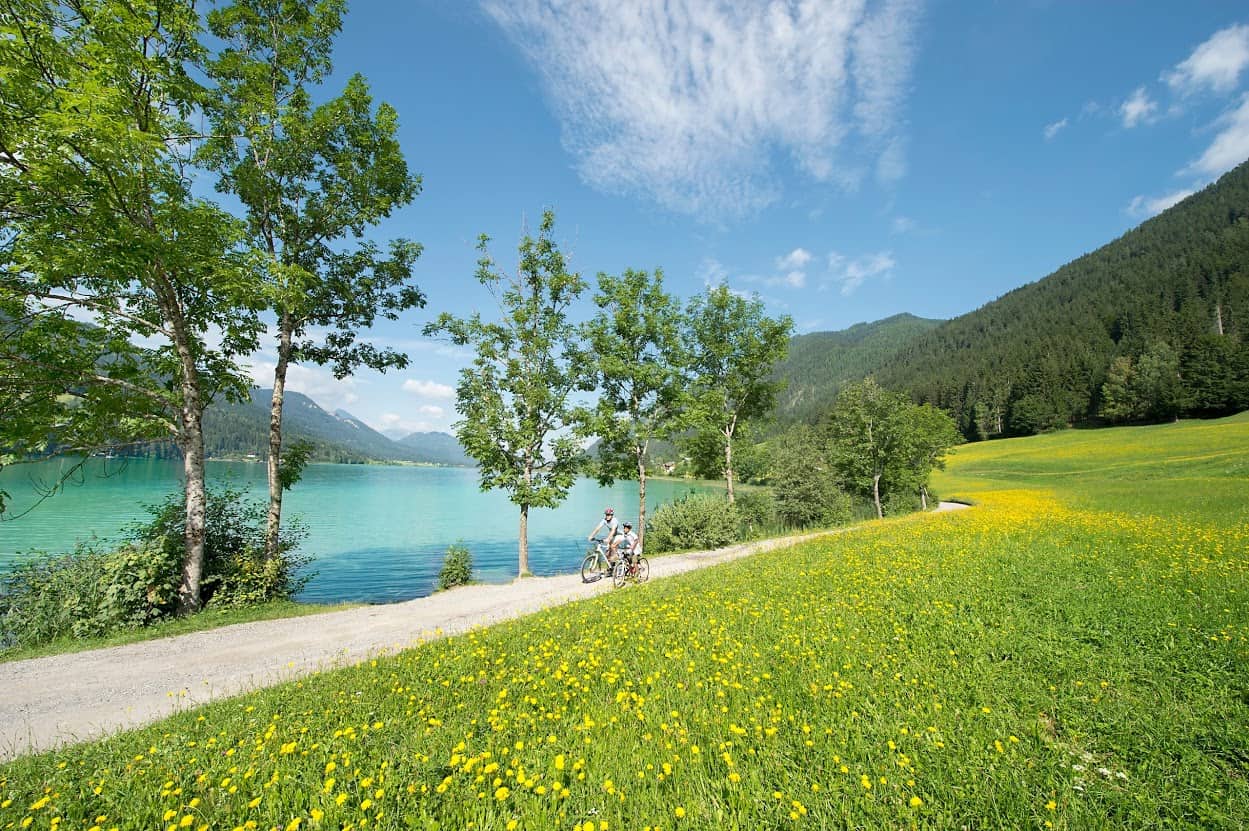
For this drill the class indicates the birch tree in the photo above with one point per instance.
(124, 299)
(518, 420)
(732, 347)
(313, 180)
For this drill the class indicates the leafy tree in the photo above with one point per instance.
(100, 225)
(732, 348)
(804, 482)
(515, 397)
(865, 432)
(312, 179)
(635, 343)
(1156, 382)
(927, 435)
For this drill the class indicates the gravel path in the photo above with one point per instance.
(62, 699)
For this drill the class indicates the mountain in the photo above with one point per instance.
(243, 429)
(819, 363)
(442, 448)
(1167, 304)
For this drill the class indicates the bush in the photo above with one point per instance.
(695, 522)
(756, 511)
(457, 568)
(92, 592)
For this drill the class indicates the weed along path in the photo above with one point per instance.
(62, 699)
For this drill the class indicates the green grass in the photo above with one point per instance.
(1053, 658)
(208, 619)
(1196, 470)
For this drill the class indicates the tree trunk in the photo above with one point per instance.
(728, 465)
(191, 443)
(880, 513)
(641, 501)
(274, 528)
(524, 540)
(923, 498)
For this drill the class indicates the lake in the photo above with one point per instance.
(377, 533)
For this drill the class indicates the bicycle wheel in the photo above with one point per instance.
(591, 568)
(620, 574)
(644, 570)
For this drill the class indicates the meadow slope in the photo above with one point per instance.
(1074, 653)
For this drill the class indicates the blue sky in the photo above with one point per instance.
(847, 161)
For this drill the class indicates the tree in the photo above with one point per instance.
(1118, 401)
(635, 346)
(865, 436)
(732, 347)
(927, 434)
(518, 421)
(100, 225)
(311, 179)
(804, 482)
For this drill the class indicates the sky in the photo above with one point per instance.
(845, 160)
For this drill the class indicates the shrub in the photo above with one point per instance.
(756, 512)
(457, 568)
(695, 522)
(93, 592)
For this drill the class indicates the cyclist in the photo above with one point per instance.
(612, 529)
(629, 544)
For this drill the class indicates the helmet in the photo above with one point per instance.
(608, 511)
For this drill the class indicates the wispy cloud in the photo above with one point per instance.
(1230, 147)
(429, 389)
(902, 225)
(694, 103)
(1138, 108)
(1215, 65)
(1147, 206)
(849, 274)
(798, 258)
(1054, 129)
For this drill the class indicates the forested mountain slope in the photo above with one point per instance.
(820, 363)
(1167, 304)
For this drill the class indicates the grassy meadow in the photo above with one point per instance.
(1071, 653)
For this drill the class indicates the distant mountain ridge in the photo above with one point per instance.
(243, 429)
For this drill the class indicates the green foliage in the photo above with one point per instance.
(93, 592)
(884, 447)
(732, 349)
(514, 398)
(756, 513)
(1040, 357)
(819, 364)
(806, 486)
(457, 567)
(699, 521)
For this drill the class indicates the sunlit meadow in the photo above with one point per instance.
(1052, 658)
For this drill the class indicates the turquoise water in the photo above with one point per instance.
(377, 533)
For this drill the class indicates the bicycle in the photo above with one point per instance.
(625, 570)
(595, 566)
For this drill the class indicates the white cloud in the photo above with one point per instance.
(429, 389)
(901, 225)
(796, 259)
(1214, 65)
(1147, 206)
(692, 103)
(313, 381)
(850, 274)
(431, 410)
(1137, 108)
(1230, 147)
(711, 272)
(891, 165)
(1054, 129)
(394, 422)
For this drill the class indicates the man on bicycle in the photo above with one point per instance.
(612, 531)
